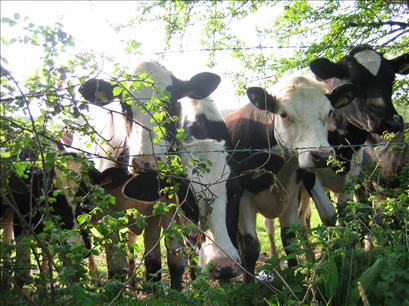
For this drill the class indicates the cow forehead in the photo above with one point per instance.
(161, 77)
(303, 97)
(193, 107)
(370, 60)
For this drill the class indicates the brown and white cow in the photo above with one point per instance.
(291, 118)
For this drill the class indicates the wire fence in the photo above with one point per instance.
(274, 149)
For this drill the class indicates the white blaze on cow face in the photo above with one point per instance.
(193, 107)
(301, 118)
(370, 60)
(210, 190)
(111, 137)
(140, 140)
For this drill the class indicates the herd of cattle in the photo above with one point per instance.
(262, 158)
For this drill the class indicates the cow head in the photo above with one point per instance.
(156, 83)
(372, 109)
(300, 107)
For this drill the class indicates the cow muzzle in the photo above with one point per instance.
(395, 124)
(223, 268)
(144, 163)
(317, 158)
(320, 157)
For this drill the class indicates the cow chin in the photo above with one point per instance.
(217, 265)
(314, 159)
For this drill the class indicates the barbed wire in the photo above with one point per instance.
(221, 49)
(274, 149)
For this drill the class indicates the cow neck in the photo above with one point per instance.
(345, 137)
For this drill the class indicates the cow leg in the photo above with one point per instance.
(23, 262)
(176, 256)
(344, 197)
(248, 241)
(92, 266)
(177, 260)
(7, 226)
(131, 259)
(152, 255)
(322, 202)
(6, 239)
(116, 258)
(289, 218)
(270, 229)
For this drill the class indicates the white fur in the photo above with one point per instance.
(192, 107)
(140, 140)
(303, 100)
(211, 186)
(112, 135)
(370, 60)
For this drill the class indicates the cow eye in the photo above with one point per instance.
(284, 115)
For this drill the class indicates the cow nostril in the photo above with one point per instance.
(320, 158)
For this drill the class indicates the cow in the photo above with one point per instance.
(371, 111)
(291, 119)
(23, 205)
(384, 161)
(144, 153)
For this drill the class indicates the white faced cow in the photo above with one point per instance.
(292, 118)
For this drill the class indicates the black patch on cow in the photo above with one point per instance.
(250, 249)
(287, 236)
(257, 171)
(176, 275)
(97, 91)
(203, 128)
(143, 187)
(234, 192)
(307, 177)
(250, 129)
(372, 110)
(146, 186)
(153, 266)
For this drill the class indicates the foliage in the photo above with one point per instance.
(284, 35)
(34, 111)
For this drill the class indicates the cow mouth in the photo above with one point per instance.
(395, 124)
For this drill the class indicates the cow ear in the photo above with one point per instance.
(97, 91)
(263, 160)
(262, 99)
(257, 169)
(143, 187)
(113, 177)
(342, 95)
(324, 69)
(198, 87)
(400, 64)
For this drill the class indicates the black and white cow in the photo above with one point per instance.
(205, 131)
(385, 163)
(293, 119)
(371, 111)
(23, 203)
